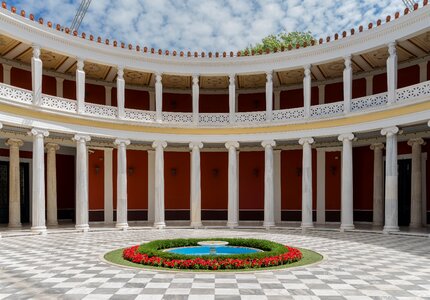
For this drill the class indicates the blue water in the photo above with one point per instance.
(220, 250)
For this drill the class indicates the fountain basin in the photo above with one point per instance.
(213, 250)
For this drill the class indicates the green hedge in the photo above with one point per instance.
(155, 248)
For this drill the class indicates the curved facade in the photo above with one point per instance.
(334, 132)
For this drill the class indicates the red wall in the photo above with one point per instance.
(251, 102)
(21, 78)
(380, 83)
(96, 179)
(213, 103)
(428, 71)
(358, 88)
(49, 85)
(1, 73)
(136, 99)
(363, 177)
(177, 102)
(408, 76)
(251, 180)
(177, 186)
(65, 181)
(333, 92)
(69, 89)
(95, 94)
(333, 175)
(294, 98)
(214, 180)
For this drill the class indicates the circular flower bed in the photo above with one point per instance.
(152, 254)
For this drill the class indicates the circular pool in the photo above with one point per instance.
(209, 250)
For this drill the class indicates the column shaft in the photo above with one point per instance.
(38, 178)
(120, 92)
(196, 207)
(151, 185)
(369, 85)
(232, 97)
(80, 86)
(108, 186)
(307, 91)
(347, 85)
(14, 183)
(307, 220)
(416, 194)
(121, 197)
(158, 98)
(36, 76)
(378, 184)
(269, 96)
(321, 186)
(159, 184)
(277, 104)
(269, 205)
(108, 95)
(6, 73)
(195, 96)
(277, 185)
(81, 182)
(51, 185)
(233, 186)
(59, 86)
(347, 207)
(392, 72)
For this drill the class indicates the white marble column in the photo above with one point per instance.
(392, 72)
(307, 91)
(14, 183)
(59, 86)
(423, 71)
(196, 92)
(151, 100)
(369, 85)
(307, 221)
(321, 185)
(121, 184)
(159, 184)
(347, 84)
(196, 202)
(151, 185)
(321, 94)
(269, 95)
(51, 183)
(38, 184)
(277, 185)
(108, 95)
(158, 98)
(80, 86)
(378, 184)
(81, 182)
(391, 180)
(416, 194)
(36, 76)
(277, 104)
(108, 185)
(232, 97)
(233, 184)
(269, 203)
(347, 191)
(120, 92)
(6, 73)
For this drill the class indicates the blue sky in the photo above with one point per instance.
(210, 25)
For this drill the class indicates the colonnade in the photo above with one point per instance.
(385, 204)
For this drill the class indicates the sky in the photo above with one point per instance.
(210, 25)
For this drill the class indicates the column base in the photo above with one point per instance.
(307, 225)
(54, 223)
(268, 224)
(196, 224)
(344, 227)
(232, 224)
(160, 225)
(388, 229)
(38, 229)
(18, 225)
(377, 224)
(122, 226)
(82, 227)
(415, 225)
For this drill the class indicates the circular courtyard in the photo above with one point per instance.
(357, 265)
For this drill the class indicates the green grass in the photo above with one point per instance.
(309, 257)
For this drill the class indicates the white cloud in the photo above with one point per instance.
(211, 25)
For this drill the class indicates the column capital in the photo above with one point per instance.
(81, 138)
(307, 70)
(231, 78)
(232, 144)
(7, 67)
(59, 79)
(377, 146)
(415, 141)
(345, 136)
(12, 142)
(52, 146)
(269, 75)
(198, 145)
(268, 143)
(389, 131)
(120, 72)
(196, 78)
(392, 47)
(122, 142)
(157, 144)
(38, 132)
(36, 51)
(158, 77)
(80, 64)
(348, 61)
(307, 140)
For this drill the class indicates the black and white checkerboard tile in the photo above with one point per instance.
(357, 266)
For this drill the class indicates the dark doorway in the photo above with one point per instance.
(404, 192)
(4, 192)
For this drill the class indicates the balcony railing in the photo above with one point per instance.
(373, 102)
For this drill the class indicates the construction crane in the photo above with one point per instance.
(80, 14)
(409, 4)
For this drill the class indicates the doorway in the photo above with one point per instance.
(24, 190)
(404, 191)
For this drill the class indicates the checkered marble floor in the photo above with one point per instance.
(357, 266)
